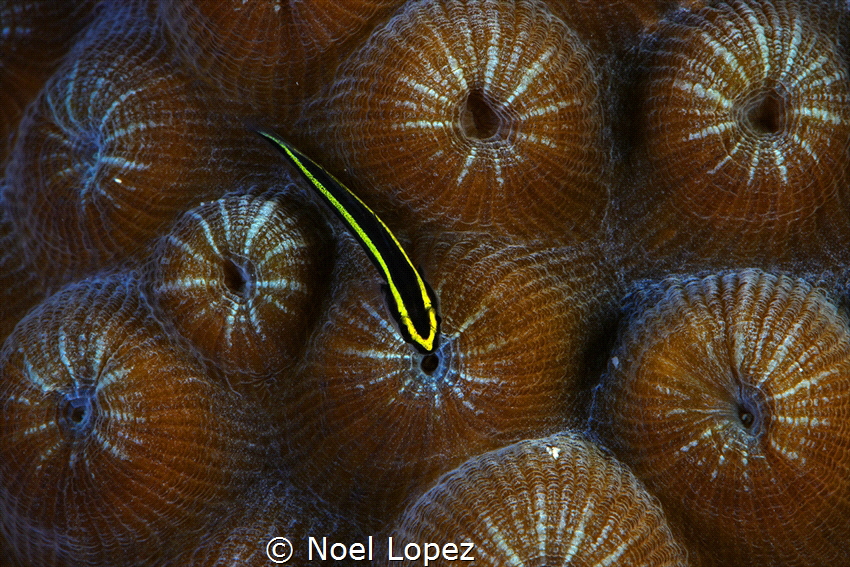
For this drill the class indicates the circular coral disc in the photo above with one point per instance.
(240, 277)
(744, 136)
(730, 397)
(376, 420)
(114, 446)
(553, 501)
(460, 109)
(118, 143)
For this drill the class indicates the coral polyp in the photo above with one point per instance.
(745, 129)
(462, 108)
(118, 143)
(108, 427)
(375, 419)
(571, 504)
(240, 278)
(731, 391)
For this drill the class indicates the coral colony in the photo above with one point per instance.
(508, 282)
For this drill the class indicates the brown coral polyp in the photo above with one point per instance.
(558, 500)
(115, 448)
(117, 144)
(464, 108)
(376, 420)
(241, 277)
(729, 397)
(744, 135)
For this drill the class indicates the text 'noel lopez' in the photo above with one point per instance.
(396, 551)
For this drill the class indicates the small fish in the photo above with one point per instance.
(411, 300)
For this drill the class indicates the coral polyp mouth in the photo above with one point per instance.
(765, 113)
(238, 277)
(749, 411)
(481, 118)
(497, 101)
(755, 372)
(429, 363)
(747, 417)
(431, 373)
(77, 411)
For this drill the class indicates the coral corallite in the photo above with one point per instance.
(118, 143)
(729, 396)
(376, 420)
(116, 448)
(744, 131)
(464, 108)
(240, 278)
(570, 504)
